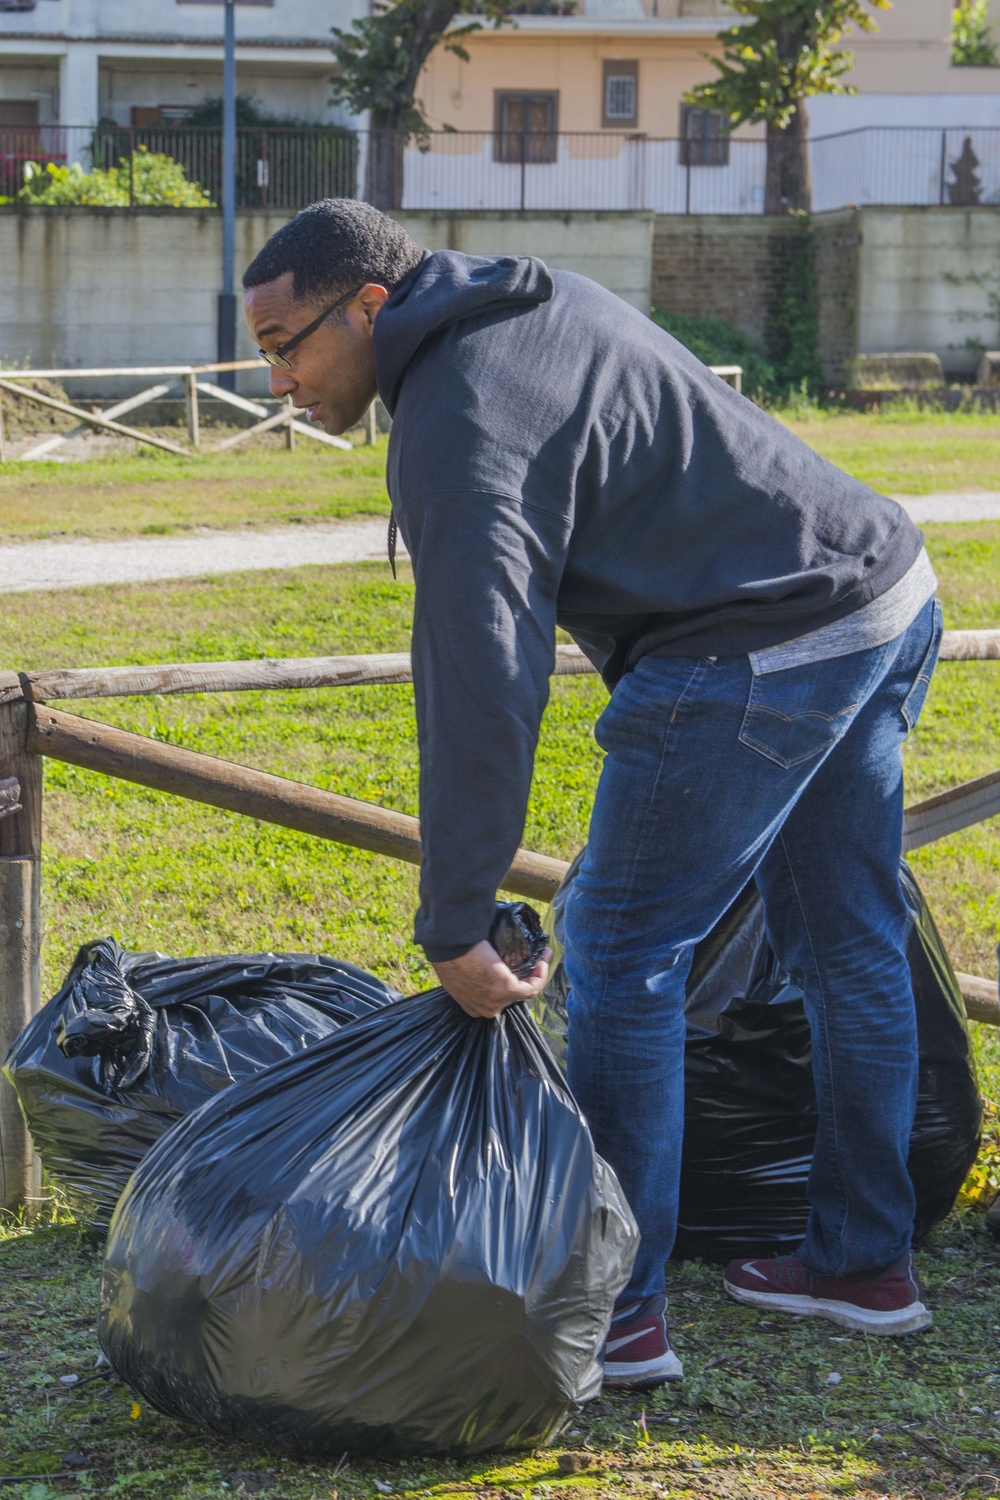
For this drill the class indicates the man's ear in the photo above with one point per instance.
(371, 299)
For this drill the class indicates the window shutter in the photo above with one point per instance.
(620, 101)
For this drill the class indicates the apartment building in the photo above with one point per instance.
(149, 62)
(617, 66)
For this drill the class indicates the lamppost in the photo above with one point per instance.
(227, 297)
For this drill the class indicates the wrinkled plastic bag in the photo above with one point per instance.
(135, 1041)
(400, 1241)
(750, 1104)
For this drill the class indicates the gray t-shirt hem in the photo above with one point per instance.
(874, 624)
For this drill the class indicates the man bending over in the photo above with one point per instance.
(767, 629)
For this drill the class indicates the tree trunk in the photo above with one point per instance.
(384, 172)
(788, 181)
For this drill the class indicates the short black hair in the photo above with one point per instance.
(332, 246)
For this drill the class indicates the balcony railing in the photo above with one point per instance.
(283, 169)
(275, 168)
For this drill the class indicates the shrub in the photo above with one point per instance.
(152, 181)
(717, 342)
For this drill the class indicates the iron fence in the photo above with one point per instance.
(285, 169)
(280, 168)
(903, 164)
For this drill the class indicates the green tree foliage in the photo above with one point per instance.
(380, 58)
(151, 181)
(972, 44)
(250, 114)
(787, 51)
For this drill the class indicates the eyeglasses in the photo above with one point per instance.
(277, 356)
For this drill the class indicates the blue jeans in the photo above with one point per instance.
(794, 778)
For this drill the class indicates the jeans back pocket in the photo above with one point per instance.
(799, 712)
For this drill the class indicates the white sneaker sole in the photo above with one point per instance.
(862, 1319)
(643, 1373)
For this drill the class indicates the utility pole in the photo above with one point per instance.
(227, 297)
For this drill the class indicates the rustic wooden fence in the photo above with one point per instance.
(191, 379)
(30, 729)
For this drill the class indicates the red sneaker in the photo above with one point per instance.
(637, 1353)
(888, 1301)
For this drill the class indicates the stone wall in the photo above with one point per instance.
(86, 287)
(717, 265)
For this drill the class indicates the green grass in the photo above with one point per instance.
(154, 493)
(898, 451)
(755, 1419)
(756, 1416)
(903, 451)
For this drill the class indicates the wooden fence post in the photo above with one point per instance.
(20, 946)
(191, 408)
(371, 424)
(290, 426)
(3, 438)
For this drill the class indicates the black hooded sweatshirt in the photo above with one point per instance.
(556, 458)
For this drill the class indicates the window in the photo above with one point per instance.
(525, 127)
(150, 116)
(18, 112)
(620, 102)
(705, 138)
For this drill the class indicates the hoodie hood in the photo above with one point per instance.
(445, 288)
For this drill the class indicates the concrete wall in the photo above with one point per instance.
(103, 287)
(928, 281)
(100, 287)
(615, 249)
(891, 280)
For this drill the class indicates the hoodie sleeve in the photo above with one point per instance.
(487, 571)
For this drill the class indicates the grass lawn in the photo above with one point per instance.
(908, 452)
(757, 1416)
(152, 493)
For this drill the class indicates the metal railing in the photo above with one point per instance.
(285, 169)
(906, 164)
(275, 167)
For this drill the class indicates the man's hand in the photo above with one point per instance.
(483, 985)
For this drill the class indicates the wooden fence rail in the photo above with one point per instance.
(30, 729)
(255, 794)
(230, 676)
(187, 376)
(317, 672)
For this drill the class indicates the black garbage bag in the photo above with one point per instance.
(135, 1041)
(400, 1241)
(750, 1103)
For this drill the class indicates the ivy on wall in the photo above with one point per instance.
(791, 335)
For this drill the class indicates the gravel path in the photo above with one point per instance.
(68, 565)
(64, 565)
(976, 505)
